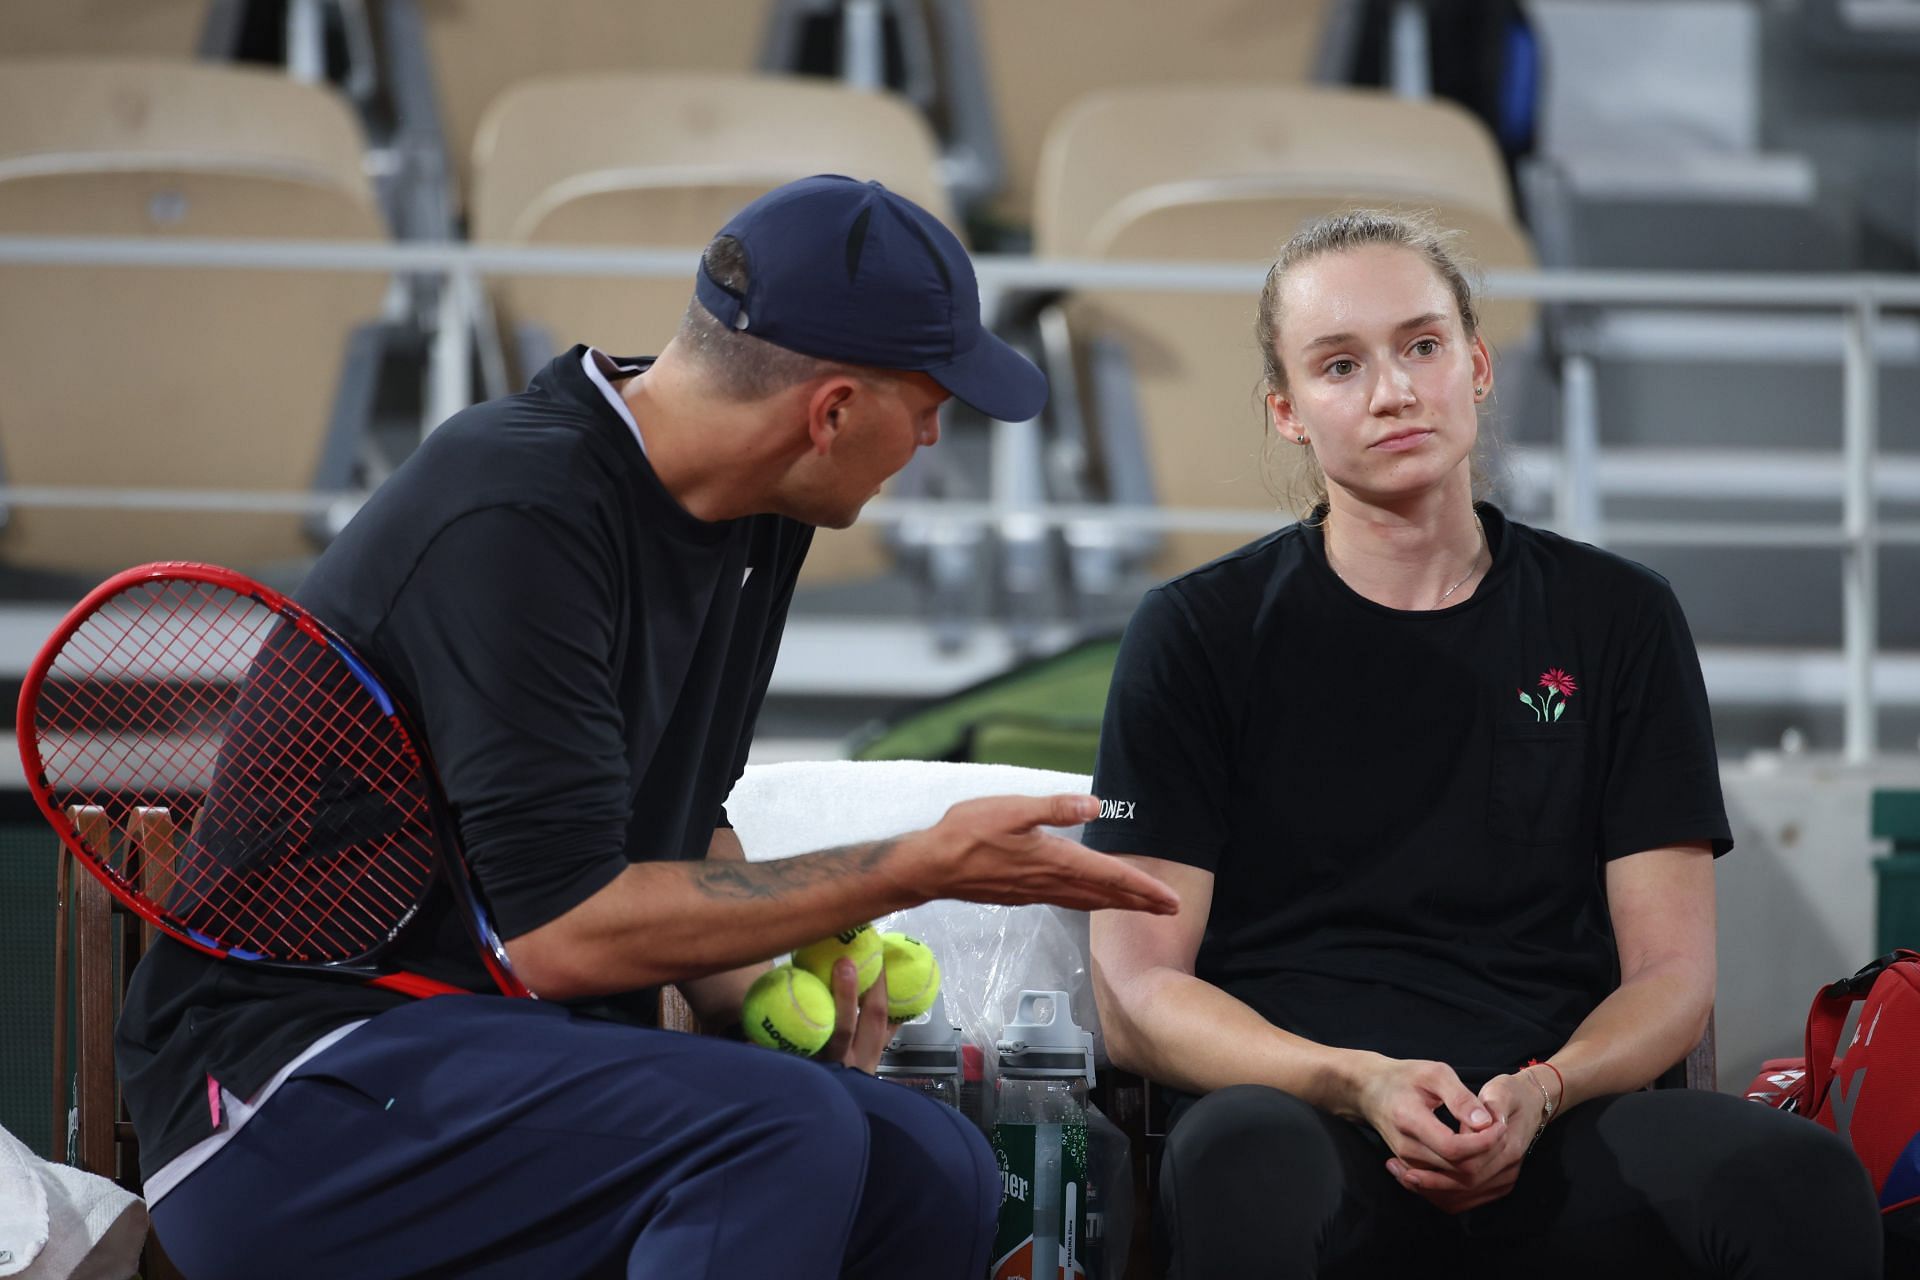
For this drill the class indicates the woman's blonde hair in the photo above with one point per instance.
(1304, 489)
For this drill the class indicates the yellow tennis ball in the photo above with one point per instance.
(857, 942)
(788, 1009)
(913, 976)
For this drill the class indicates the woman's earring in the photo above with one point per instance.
(1478, 392)
(1301, 438)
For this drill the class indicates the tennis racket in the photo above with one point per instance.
(302, 822)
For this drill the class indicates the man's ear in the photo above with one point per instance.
(827, 407)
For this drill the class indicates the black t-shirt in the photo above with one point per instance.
(1408, 814)
(585, 660)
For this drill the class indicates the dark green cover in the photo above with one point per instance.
(1899, 902)
(29, 854)
(1896, 816)
(1044, 714)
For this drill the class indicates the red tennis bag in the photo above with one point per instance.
(1869, 1093)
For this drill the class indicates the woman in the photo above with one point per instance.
(1439, 796)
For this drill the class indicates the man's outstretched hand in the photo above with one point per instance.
(993, 850)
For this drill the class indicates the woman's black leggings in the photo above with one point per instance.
(1680, 1183)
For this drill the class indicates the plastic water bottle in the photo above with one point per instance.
(924, 1054)
(1040, 1141)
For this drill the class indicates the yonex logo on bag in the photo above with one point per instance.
(1116, 809)
(1843, 1105)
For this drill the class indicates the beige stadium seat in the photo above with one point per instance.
(666, 160)
(156, 378)
(481, 48)
(1041, 56)
(92, 28)
(1228, 174)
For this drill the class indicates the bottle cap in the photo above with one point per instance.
(928, 1045)
(930, 1028)
(1042, 1038)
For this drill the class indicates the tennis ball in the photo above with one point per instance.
(858, 943)
(913, 976)
(788, 1009)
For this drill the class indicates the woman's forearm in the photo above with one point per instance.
(1662, 905)
(1189, 1034)
(1651, 1021)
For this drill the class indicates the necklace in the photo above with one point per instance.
(1471, 569)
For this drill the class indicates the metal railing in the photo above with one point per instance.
(1861, 300)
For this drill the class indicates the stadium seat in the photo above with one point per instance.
(152, 28)
(668, 160)
(478, 49)
(1039, 59)
(672, 156)
(155, 379)
(1171, 407)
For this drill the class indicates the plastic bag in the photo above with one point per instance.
(989, 955)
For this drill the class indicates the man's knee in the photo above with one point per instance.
(966, 1171)
(810, 1120)
(932, 1172)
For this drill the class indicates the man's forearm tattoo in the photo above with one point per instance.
(735, 881)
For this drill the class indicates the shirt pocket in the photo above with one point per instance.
(1537, 782)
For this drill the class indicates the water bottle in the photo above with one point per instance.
(1040, 1141)
(924, 1054)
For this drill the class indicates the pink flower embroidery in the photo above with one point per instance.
(1555, 682)
(1556, 679)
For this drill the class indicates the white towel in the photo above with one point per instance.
(988, 955)
(58, 1223)
(779, 810)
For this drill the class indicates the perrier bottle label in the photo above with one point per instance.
(1043, 1201)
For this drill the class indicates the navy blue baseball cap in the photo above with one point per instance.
(849, 271)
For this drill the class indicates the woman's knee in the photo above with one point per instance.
(1249, 1140)
(1801, 1169)
(1249, 1173)
(1779, 1194)
(1244, 1124)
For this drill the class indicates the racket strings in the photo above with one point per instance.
(293, 909)
(388, 868)
(89, 705)
(311, 835)
(313, 727)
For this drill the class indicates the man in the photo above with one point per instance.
(579, 591)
